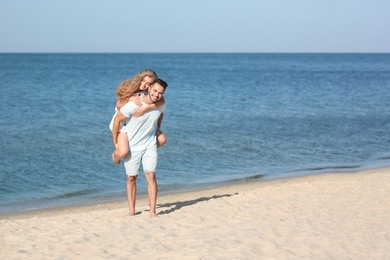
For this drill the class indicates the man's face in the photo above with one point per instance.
(145, 83)
(156, 92)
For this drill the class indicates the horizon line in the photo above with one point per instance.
(309, 52)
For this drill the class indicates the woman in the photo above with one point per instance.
(132, 90)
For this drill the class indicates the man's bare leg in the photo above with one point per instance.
(152, 192)
(131, 189)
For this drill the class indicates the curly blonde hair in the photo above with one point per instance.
(127, 87)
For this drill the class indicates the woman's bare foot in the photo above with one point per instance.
(115, 159)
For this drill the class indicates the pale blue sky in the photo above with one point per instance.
(195, 26)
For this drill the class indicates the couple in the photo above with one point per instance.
(136, 133)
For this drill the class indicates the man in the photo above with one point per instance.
(141, 132)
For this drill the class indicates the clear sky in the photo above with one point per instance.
(195, 26)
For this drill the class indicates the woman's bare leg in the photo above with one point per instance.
(123, 148)
(161, 138)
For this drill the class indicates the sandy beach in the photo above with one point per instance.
(328, 216)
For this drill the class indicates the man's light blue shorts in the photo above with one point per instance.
(148, 158)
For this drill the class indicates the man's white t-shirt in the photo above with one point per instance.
(141, 131)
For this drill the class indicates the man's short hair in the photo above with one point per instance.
(162, 83)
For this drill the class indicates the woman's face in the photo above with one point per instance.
(145, 83)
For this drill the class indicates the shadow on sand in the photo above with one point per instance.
(180, 204)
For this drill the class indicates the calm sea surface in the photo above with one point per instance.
(229, 117)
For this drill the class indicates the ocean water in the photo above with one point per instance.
(229, 117)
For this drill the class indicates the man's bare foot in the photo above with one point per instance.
(115, 159)
(153, 215)
(130, 214)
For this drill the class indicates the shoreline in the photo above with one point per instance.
(332, 215)
(190, 189)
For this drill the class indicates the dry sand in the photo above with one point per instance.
(329, 216)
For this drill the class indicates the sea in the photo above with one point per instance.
(230, 117)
